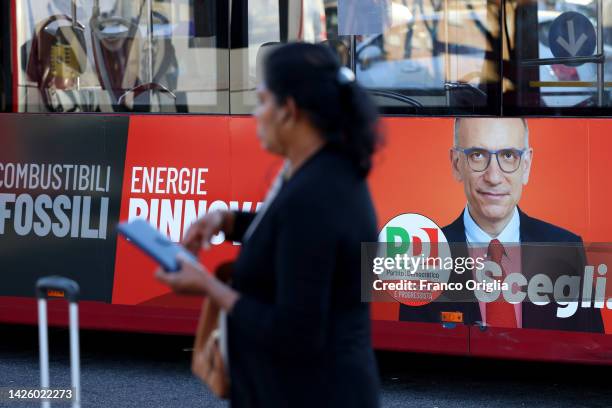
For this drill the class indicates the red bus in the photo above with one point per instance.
(117, 109)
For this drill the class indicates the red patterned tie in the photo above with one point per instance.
(499, 313)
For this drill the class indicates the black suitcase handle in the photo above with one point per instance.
(69, 287)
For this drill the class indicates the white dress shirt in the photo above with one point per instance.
(510, 237)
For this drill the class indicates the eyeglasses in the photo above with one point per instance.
(479, 159)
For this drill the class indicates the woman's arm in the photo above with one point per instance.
(232, 223)
(194, 279)
(238, 223)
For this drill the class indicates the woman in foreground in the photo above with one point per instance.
(298, 333)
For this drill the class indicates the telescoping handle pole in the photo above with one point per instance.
(73, 13)
(71, 292)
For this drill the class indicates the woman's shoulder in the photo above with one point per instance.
(329, 177)
(330, 183)
(327, 169)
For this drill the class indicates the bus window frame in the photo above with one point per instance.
(513, 104)
(6, 59)
(231, 33)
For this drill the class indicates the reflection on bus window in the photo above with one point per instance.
(270, 22)
(534, 83)
(120, 55)
(431, 55)
(363, 17)
(414, 56)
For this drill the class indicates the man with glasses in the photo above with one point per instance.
(492, 158)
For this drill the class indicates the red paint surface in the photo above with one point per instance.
(541, 345)
(522, 344)
(239, 170)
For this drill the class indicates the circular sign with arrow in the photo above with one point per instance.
(572, 35)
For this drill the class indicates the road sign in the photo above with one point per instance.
(572, 35)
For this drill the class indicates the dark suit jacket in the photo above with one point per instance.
(299, 336)
(565, 258)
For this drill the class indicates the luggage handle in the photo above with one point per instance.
(68, 286)
(71, 293)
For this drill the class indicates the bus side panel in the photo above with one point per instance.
(413, 174)
(104, 316)
(417, 337)
(541, 345)
(60, 191)
(224, 169)
(176, 169)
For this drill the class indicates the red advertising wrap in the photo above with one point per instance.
(172, 169)
(178, 169)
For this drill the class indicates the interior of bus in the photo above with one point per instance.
(416, 57)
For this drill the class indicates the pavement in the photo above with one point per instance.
(151, 370)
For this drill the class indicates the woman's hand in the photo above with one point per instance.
(201, 232)
(191, 279)
(194, 279)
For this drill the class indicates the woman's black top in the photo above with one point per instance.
(299, 335)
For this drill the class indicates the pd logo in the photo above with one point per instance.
(422, 257)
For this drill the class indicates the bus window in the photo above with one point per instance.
(122, 56)
(430, 56)
(5, 58)
(257, 25)
(543, 40)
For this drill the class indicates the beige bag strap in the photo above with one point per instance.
(209, 317)
(206, 324)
